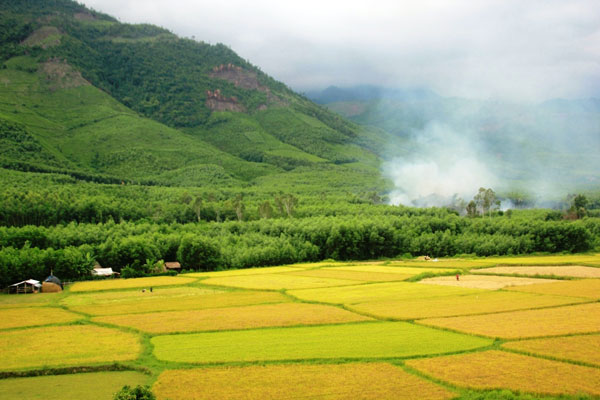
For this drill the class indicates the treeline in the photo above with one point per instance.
(71, 250)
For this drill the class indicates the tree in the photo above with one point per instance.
(578, 205)
(197, 206)
(239, 207)
(486, 200)
(265, 210)
(472, 209)
(287, 202)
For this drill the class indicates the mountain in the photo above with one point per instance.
(86, 95)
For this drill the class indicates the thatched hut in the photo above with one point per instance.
(28, 286)
(173, 266)
(52, 285)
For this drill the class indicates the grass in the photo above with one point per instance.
(109, 284)
(483, 281)
(368, 340)
(65, 346)
(582, 318)
(285, 314)
(88, 386)
(27, 300)
(567, 271)
(575, 348)
(276, 282)
(486, 302)
(589, 288)
(34, 316)
(498, 369)
(378, 292)
(339, 381)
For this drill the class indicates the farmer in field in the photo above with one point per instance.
(457, 277)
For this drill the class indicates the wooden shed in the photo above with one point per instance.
(172, 266)
(28, 286)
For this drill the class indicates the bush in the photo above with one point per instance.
(137, 393)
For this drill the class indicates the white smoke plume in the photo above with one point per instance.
(444, 165)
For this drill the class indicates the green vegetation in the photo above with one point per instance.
(378, 340)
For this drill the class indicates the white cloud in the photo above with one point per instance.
(507, 48)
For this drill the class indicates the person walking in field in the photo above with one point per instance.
(457, 277)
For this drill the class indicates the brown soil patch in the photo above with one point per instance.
(576, 271)
(40, 36)
(217, 102)
(483, 281)
(60, 75)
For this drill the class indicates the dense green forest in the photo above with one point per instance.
(126, 145)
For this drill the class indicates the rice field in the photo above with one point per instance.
(378, 292)
(360, 340)
(65, 345)
(582, 318)
(110, 284)
(491, 282)
(584, 348)
(497, 369)
(88, 386)
(337, 330)
(285, 314)
(575, 271)
(588, 288)
(171, 299)
(34, 316)
(338, 381)
(361, 276)
(481, 303)
(276, 282)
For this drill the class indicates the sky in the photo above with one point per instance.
(508, 49)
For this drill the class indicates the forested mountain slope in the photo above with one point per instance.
(114, 102)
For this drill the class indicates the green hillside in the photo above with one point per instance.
(85, 94)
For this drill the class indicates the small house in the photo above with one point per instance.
(52, 285)
(173, 266)
(28, 286)
(104, 272)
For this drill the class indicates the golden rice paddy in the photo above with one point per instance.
(411, 271)
(498, 369)
(575, 271)
(566, 259)
(66, 345)
(451, 263)
(110, 284)
(173, 300)
(486, 302)
(240, 272)
(88, 386)
(584, 348)
(286, 314)
(378, 292)
(582, 318)
(491, 282)
(33, 316)
(361, 276)
(589, 288)
(339, 381)
(276, 282)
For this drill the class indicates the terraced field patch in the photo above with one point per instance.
(378, 292)
(410, 271)
(339, 381)
(173, 299)
(361, 276)
(589, 288)
(584, 348)
(369, 339)
(582, 318)
(65, 346)
(27, 300)
(444, 263)
(575, 271)
(88, 386)
(241, 272)
(34, 316)
(110, 284)
(568, 259)
(276, 282)
(286, 314)
(497, 369)
(491, 282)
(486, 302)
